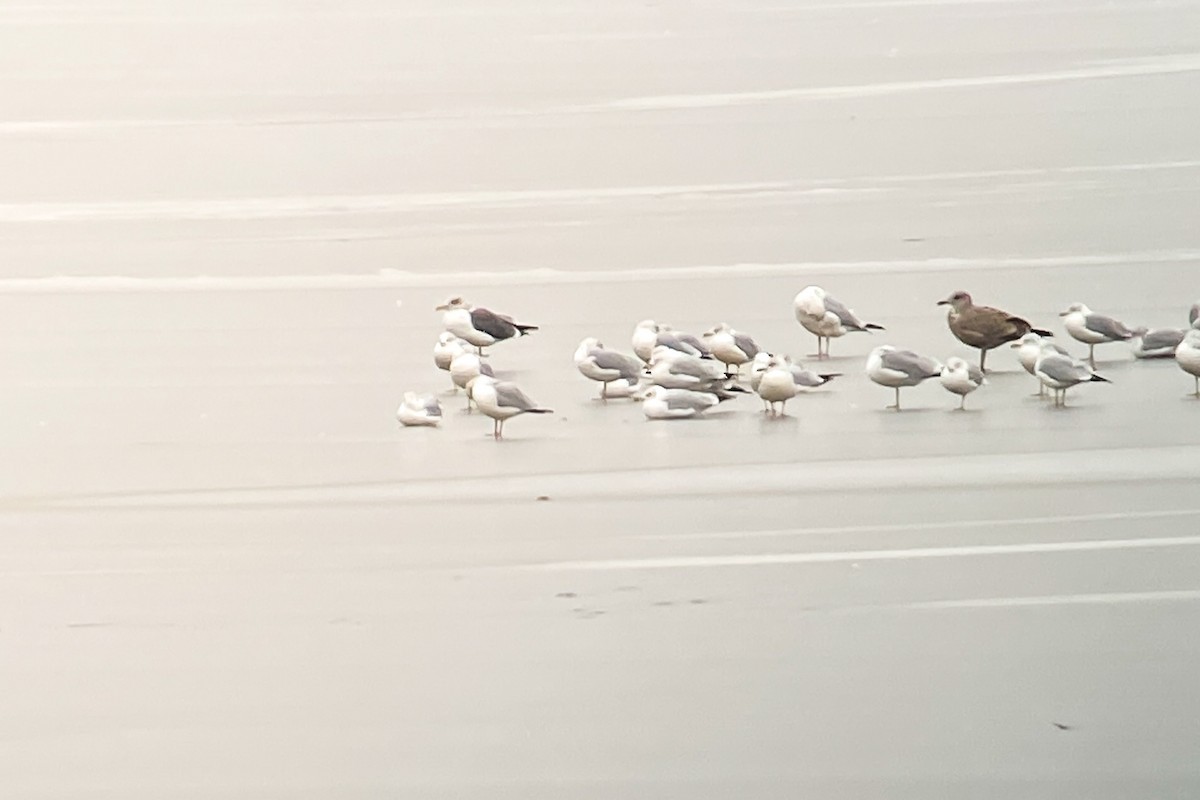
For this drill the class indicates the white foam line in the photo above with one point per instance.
(1106, 598)
(400, 279)
(1167, 65)
(779, 559)
(952, 525)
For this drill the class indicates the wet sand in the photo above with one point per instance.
(227, 572)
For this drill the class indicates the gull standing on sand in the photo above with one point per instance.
(608, 367)
(894, 368)
(776, 385)
(648, 334)
(448, 346)
(466, 367)
(732, 348)
(1187, 355)
(983, 327)
(825, 318)
(479, 326)
(662, 403)
(1060, 372)
(1028, 349)
(1092, 329)
(501, 401)
(961, 378)
(1158, 343)
(419, 410)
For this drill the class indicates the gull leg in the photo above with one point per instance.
(604, 390)
(1041, 392)
(897, 406)
(982, 358)
(1198, 386)
(783, 409)
(1091, 356)
(962, 403)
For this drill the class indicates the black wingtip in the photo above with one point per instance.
(828, 376)
(541, 411)
(525, 330)
(1098, 379)
(871, 326)
(1041, 332)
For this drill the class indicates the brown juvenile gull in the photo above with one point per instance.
(984, 327)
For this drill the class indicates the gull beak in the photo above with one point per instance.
(942, 303)
(1063, 313)
(1015, 345)
(442, 307)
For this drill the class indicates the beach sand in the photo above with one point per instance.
(227, 572)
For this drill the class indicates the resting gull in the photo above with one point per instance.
(961, 379)
(983, 327)
(448, 346)
(502, 400)
(464, 368)
(1060, 372)
(479, 326)
(894, 368)
(826, 318)
(607, 367)
(1157, 343)
(776, 384)
(419, 410)
(662, 403)
(648, 335)
(1092, 329)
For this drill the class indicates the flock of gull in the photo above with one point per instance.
(676, 375)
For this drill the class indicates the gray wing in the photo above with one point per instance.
(677, 343)
(509, 396)
(1065, 369)
(1162, 339)
(495, 325)
(975, 374)
(629, 368)
(694, 368)
(685, 399)
(914, 366)
(847, 316)
(1062, 351)
(691, 341)
(1106, 326)
(746, 344)
(432, 407)
(486, 369)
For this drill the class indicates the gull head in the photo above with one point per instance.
(453, 303)
(1075, 308)
(1028, 339)
(958, 301)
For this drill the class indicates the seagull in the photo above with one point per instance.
(419, 410)
(606, 366)
(732, 348)
(825, 317)
(501, 400)
(1158, 343)
(961, 378)
(776, 385)
(983, 327)
(479, 326)
(803, 378)
(464, 368)
(1028, 348)
(671, 369)
(1061, 372)
(1187, 355)
(1092, 328)
(894, 368)
(448, 346)
(649, 334)
(662, 403)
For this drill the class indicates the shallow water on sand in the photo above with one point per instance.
(223, 568)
